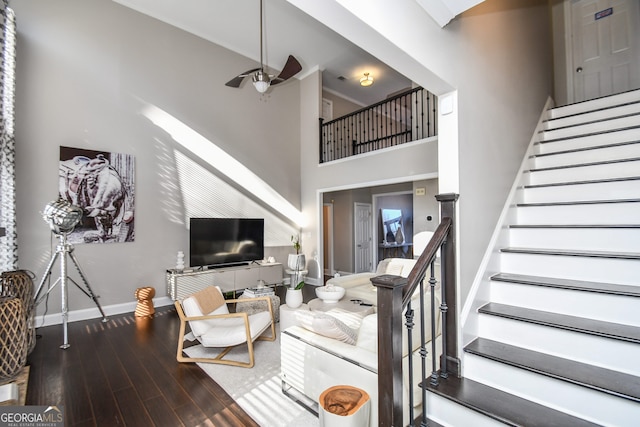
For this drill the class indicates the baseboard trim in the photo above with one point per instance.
(94, 313)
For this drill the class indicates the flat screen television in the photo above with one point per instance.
(216, 242)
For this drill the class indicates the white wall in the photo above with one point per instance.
(89, 72)
(495, 58)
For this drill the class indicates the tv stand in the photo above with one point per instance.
(182, 283)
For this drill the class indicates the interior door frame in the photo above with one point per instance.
(355, 237)
(328, 232)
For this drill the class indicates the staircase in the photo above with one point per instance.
(555, 335)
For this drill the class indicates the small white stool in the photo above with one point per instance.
(288, 316)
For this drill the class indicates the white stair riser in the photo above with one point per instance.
(627, 135)
(618, 152)
(603, 352)
(594, 239)
(594, 104)
(608, 270)
(585, 173)
(587, 128)
(610, 190)
(598, 306)
(603, 213)
(593, 115)
(448, 413)
(575, 400)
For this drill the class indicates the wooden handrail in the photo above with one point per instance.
(394, 295)
(426, 259)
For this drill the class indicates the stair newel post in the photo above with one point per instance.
(449, 361)
(389, 289)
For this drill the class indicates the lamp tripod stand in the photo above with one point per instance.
(64, 249)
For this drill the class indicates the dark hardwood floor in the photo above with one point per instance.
(124, 373)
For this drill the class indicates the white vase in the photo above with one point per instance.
(293, 299)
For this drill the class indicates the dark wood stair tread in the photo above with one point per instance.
(562, 321)
(577, 202)
(590, 122)
(557, 226)
(572, 252)
(577, 285)
(504, 407)
(582, 374)
(587, 148)
(582, 165)
(583, 135)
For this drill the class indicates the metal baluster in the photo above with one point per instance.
(423, 355)
(443, 317)
(432, 285)
(409, 324)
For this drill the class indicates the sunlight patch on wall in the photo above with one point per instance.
(221, 161)
(206, 195)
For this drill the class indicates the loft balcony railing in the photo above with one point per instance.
(406, 117)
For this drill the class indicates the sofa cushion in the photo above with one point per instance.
(327, 325)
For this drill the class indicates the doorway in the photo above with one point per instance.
(327, 238)
(363, 241)
(605, 47)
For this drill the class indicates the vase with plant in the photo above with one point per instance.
(293, 298)
(296, 263)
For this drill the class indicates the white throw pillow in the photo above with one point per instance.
(351, 319)
(326, 325)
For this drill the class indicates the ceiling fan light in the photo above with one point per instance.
(261, 86)
(366, 81)
(261, 81)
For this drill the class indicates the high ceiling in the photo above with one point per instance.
(235, 25)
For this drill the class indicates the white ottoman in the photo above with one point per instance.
(288, 316)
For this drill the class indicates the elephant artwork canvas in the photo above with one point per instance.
(102, 184)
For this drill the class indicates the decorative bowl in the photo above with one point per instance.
(330, 294)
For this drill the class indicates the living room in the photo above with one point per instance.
(98, 75)
(111, 79)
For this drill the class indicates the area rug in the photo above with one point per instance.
(257, 390)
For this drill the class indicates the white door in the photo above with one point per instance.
(363, 227)
(605, 47)
(327, 233)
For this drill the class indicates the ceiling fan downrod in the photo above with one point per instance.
(261, 80)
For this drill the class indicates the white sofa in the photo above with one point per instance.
(313, 360)
(358, 285)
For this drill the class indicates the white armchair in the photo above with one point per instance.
(213, 325)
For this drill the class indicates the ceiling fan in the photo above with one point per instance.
(261, 79)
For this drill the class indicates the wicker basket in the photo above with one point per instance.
(19, 284)
(13, 331)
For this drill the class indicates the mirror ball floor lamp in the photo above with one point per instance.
(62, 218)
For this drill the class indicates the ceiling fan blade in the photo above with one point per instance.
(236, 81)
(291, 68)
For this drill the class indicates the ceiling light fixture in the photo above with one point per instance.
(261, 81)
(366, 81)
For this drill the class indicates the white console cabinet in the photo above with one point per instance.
(182, 283)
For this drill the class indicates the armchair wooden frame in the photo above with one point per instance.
(219, 359)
